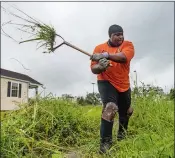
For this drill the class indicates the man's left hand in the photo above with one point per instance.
(97, 57)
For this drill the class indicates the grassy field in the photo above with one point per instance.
(51, 128)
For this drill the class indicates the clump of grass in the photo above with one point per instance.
(41, 32)
(45, 34)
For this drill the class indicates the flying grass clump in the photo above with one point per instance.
(39, 31)
(45, 34)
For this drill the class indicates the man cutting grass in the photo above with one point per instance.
(111, 62)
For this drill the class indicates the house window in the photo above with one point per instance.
(14, 89)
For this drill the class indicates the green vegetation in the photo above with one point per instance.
(52, 127)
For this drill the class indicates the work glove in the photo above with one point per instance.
(103, 64)
(97, 57)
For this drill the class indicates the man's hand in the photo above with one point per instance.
(97, 57)
(101, 66)
(104, 64)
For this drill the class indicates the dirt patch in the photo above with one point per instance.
(72, 154)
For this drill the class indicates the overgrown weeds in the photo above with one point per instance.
(52, 126)
(46, 126)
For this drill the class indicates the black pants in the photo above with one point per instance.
(109, 93)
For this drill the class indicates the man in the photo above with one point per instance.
(111, 62)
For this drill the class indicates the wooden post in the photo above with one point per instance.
(36, 91)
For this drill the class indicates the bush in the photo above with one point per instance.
(81, 101)
(89, 99)
(52, 126)
(172, 93)
(45, 127)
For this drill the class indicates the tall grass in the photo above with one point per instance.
(53, 127)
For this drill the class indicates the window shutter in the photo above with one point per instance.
(20, 88)
(8, 89)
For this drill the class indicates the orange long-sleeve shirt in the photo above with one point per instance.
(118, 73)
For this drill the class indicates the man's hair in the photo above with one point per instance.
(114, 29)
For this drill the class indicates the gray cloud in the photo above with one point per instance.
(149, 25)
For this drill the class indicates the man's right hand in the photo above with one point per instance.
(102, 65)
(99, 56)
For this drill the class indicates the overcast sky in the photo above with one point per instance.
(149, 25)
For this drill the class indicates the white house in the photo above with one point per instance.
(15, 89)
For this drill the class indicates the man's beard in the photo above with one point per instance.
(114, 45)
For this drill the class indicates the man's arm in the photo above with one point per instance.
(96, 69)
(124, 56)
(121, 57)
(94, 64)
(101, 66)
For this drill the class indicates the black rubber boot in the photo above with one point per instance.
(106, 136)
(123, 126)
(121, 135)
(104, 147)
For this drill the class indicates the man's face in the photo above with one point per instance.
(117, 38)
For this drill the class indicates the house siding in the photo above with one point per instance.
(11, 103)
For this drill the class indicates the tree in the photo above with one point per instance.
(89, 99)
(172, 93)
(93, 98)
(147, 89)
(81, 100)
(67, 97)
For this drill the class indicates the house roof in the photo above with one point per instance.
(20, 76)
